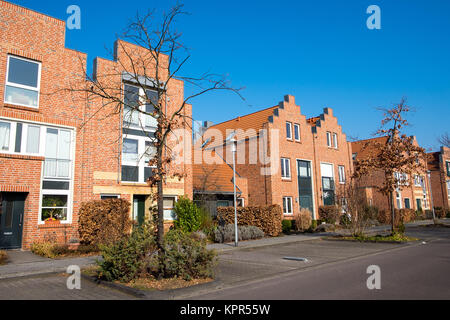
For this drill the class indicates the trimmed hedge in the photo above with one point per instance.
(104, 222)
(401, 216)
(268, 219)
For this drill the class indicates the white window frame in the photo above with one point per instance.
(142, 160)
(342, 175)
(286, 201)
(141, 116)
(398, 197)
(289, 132)
(329, 139)
(71, 156)
(166, 209)
(287, 169)
(20, 86)
(296, 125)
(335, 141)
(117, 196)
(24, 141)
(12, 130)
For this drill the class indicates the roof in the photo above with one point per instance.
(253, 121)
(433, 161)
(365, 149)
(215, 178)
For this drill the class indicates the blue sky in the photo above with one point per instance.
(319, 51)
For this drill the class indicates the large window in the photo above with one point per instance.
(137, 151)
(22, 82)
(448, 168)
(285, 168)
(328, 185)
(21, 138)
(54, 207)
(57, 153)
(287, 206)
(139, 107)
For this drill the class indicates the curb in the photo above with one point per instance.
(131, 291)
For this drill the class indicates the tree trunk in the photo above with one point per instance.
(160, 222)
(393, 212)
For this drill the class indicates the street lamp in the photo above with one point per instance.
(233, 141)
(431, 194)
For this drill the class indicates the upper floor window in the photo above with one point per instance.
(297, 132)
(285, 168)
(57, 153)
(335, 140)
(329, 142)
(289, 130)
(139, 107)
(22, 82)
(5, 136)
(448, 168)
(342, 178)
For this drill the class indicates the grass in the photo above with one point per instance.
(395, 238)
(150, 283)
(3, 257)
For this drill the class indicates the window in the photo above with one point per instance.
(241, 202)
(419, 204)
(329, 139)
(448, 189)
(401, 178)
(169, 205)
(285, 168)
(287, 205)
(354, 156)
(5, 132)
(130, 150)
(22, 82)
(407, 203)
(342, 178)
(57, 153)
(328, 186)
(109, 196)
(137, 151)
(33, 138)
(54, 207)
(137, 100)
(289, 130)
(399, 200)
(297, 132)
(130, 174)
(419, 181)
(335, 140)
(224, 204)
(448, 168)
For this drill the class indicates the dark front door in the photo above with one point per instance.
(139, 209)
(305, 185)
(11, 220)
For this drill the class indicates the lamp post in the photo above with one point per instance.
(431, 195)
(234, 151)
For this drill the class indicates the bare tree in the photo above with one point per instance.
(445, 140)
(396, 156)
(157, 64)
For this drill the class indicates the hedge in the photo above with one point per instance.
(401, 216)
(268, 219)
(104, 222)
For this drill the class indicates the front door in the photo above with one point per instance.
(139, 209)
(305, 185)
(11, 220)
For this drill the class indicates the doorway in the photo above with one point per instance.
(139, 209)
(12, 207)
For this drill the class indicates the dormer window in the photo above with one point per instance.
(22, 82)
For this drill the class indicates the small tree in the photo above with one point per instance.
(445, 140)
(397, 156)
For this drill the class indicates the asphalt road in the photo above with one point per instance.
(418, 271)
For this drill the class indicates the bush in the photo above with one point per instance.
(268, 219)
(314, 225)
(441, 212)
(186, 257)
(104, 222)
(448, 214)
(286, 226)
(329, 214)
(3, 257)
(189, 216)
(371, 212)
(345, 220)
(401, 216)
(303, 220)
(51, 250)
(226, 234)
(128, 258)
(208, 224)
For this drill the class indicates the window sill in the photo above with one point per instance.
(20, 107)
(286, 179)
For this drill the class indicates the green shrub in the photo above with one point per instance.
(371, 212)
(329, 214)
(130, 257)
(208, 225)
(314, 225)
(44, 249)
(104, 222)
(448, 214)
(287, 226)
(226, 234)
(187, 258)
(189, 216)
(3, 257)
(345, 220)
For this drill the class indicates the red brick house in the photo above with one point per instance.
(286, 158)
(52, 159)
(415, 193)
(439, 166)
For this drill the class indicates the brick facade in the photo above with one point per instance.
(96, 135)
(439, 165)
